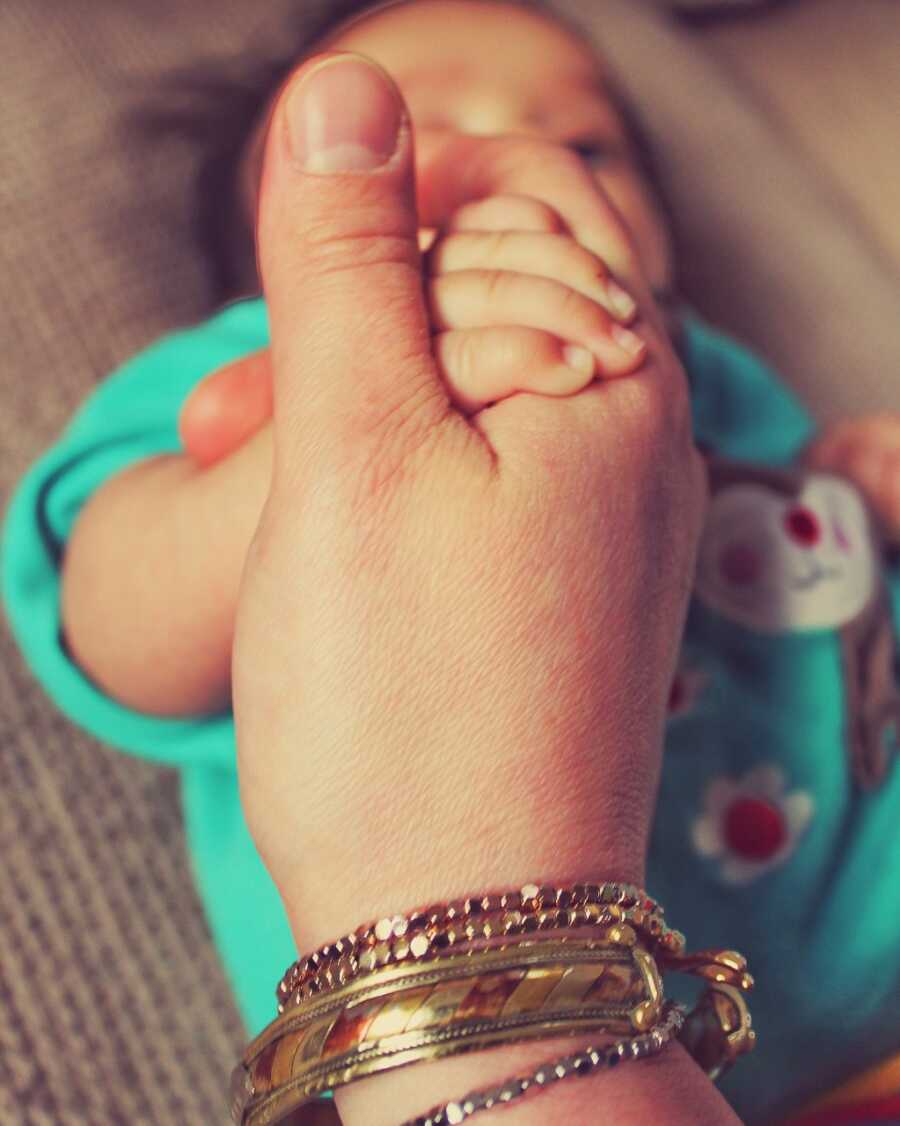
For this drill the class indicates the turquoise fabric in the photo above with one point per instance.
(820, 929)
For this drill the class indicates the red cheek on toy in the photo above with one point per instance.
(741, 564)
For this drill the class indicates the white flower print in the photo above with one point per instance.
(751, 824)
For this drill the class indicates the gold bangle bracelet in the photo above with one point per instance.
(460, 1003)
(474, 973)
(429, 932)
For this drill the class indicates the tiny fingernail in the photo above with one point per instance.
(344, 115)
(579, 359)
(623, 304)
(627, 340)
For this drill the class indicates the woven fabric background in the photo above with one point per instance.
(113, 1007)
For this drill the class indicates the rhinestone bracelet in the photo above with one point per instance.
(580, 1063)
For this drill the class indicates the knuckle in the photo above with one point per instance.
(493, 244)
(534, 213)
(572, 259)
(464, 358)
(329, 248)
(542, 216)
(520, 350)
(574, 306)
(589, 265)
(496, 283)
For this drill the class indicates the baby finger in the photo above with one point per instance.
(507, 213)
(538, 254)
(480, 298)
(481, 365)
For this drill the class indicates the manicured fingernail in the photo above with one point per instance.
(579, 359)
(623, 304)
(344, 115)
(627, 340)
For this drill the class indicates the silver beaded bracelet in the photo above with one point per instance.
(582, 1062)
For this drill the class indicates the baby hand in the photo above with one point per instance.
(515, 303)
(867, 450)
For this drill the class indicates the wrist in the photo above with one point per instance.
(556, 824)
(381, 889)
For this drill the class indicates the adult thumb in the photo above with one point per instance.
(338, 250)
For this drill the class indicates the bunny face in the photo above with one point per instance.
(775, 562)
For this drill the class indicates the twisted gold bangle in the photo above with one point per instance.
(404, 1014)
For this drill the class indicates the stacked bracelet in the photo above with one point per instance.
(432, 931)
(457, 1003)
(580, 1063)
(499, 968)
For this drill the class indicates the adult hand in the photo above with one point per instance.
(455, 636)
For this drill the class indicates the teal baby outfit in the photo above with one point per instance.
(777, 824)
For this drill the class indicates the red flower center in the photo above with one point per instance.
(754, 829)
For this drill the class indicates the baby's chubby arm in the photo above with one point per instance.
(151, 575)
(152, 569)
